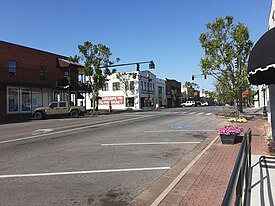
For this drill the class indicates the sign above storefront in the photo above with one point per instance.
(115, 100)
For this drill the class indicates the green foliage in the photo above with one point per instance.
(190, 87)
(227, 47)
(95, 57)
(125, 80)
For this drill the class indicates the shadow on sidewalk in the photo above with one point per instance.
(263, 175)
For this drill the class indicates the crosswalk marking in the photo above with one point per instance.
(171, 112)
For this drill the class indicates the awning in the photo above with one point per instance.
(66, 63)
(261, 63)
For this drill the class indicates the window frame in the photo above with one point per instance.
(116, 86)
(12, 68)
(105, 86)
(9, 100)
(28, 105)
(42, 73)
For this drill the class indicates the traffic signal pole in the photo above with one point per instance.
(151, 65)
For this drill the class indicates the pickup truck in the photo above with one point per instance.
(58, 108)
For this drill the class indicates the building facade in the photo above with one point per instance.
(173, 93)
(30, 78)
(131, 90)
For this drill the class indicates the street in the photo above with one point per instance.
(98, 160)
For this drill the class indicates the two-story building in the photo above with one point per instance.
(173, 93)
(133, 90)
(30, 78)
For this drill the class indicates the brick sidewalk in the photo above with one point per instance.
(206, 182)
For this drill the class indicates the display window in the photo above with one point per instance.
(13, 100)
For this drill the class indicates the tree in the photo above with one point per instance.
(95, 58)
(211, 97)
(190, 87)
(227, 47)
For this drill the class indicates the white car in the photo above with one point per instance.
(204, 103)
(188, 104)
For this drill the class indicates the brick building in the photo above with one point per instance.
(30, 78)
(173, 93)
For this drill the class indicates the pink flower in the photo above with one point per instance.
(228, 130)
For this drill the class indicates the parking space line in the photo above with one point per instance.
(84, 172)
(148, 143)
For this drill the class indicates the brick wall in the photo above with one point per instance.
(28, 64)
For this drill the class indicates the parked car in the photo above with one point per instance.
(204, 104)
(58, 109)
(188, 104)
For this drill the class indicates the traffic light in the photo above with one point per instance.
(204, 76)
(151, 65)
(138, 66)
(193, 76)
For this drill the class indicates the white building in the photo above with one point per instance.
(134, 90)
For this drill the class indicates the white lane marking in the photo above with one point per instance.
(84, 172)
(71, 130)
(183, 112)
(192, 113)
(182, 130)
(201, 113)
(41, 131)
(148, 143)
(208, 114)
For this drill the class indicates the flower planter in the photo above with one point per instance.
(231, 139)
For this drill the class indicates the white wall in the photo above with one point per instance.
(140, 92)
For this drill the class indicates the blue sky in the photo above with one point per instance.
(166, 32)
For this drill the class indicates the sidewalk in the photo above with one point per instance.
(206, 182)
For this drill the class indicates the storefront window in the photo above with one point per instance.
(25, 100)
(130, 102)
(13, 100)
(56, 96)
(36, 98)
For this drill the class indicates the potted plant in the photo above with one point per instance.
(230, 134)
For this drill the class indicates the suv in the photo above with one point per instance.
(58, 108)
(189, 104)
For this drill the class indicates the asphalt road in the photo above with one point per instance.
(103, 160)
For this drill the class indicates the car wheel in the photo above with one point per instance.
(74, 113)
(38, 115)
